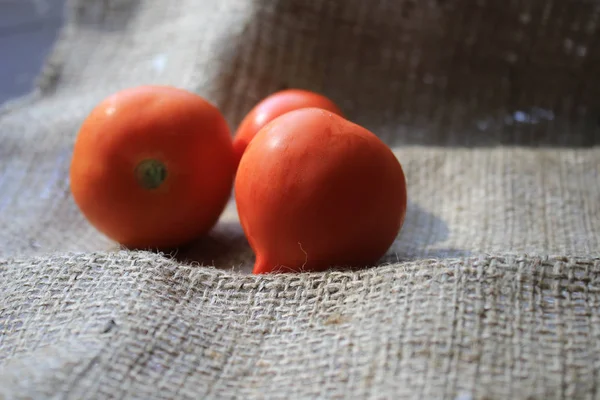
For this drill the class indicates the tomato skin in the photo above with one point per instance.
(274, 106)
(314, 190)
(176, 129)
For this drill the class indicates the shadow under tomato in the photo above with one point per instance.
(423, 235)
(226, 247)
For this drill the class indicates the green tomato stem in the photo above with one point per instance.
(150, 174)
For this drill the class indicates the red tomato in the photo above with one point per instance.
(272, 107)
(314, 190)
(153, 166)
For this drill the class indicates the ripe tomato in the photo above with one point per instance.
(272, 107)
(314, 190)
(153, 166)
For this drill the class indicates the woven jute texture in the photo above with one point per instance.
(491, 290)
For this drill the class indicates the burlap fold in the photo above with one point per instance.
(114, 325)
(490, 291)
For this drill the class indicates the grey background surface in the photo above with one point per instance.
(28, 28)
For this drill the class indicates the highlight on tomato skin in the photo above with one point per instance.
(315, 191)
(153, 167)
(274, 106)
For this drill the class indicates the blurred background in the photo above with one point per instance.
(435, 72)
(28, 29)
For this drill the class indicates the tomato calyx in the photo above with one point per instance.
(150, 174)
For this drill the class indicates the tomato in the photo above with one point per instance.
(272, 107)
(314, 190)
(153, 166)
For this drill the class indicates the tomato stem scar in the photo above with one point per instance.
(150, 174)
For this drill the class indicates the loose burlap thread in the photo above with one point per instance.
(491, 290)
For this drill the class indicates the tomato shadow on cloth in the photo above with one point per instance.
(423, 235)
(225, 247)
(423, 80)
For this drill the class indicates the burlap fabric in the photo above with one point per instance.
(491, 291)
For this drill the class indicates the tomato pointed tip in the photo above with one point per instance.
(261, 267)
